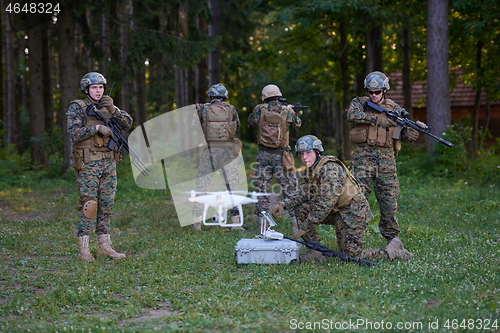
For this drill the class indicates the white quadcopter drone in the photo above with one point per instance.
(222, 202)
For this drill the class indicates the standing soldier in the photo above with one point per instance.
(219, 121)
(329, 194)
(377, 141)
(273, 121)
(94, 163)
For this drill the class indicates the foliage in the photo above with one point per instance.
(178, 280)
(454, 162)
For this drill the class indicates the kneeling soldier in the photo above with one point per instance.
(330, 194)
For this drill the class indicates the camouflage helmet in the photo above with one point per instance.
(377, 80)
(270, 90)
(217, 91)
(308, 142)
(92, 78)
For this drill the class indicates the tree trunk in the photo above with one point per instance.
(486, 121)
(47, 70)
(201, 71)
(438, 85)
(373, 38)
(214, 30)
(37, 113)
(12, 117)
(106, 54)
(477, 102)
(125, 14)
(2, 100)
(68, 77)
(407, 88)
(344, 127)
(140, 96)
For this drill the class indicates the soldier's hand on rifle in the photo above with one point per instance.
(411, 134)
(278, 210)
(298, 234)
(104, 130)
(385, 122)
(107, 102)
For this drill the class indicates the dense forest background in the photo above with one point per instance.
(162, 55)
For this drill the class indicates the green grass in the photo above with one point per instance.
(177, 280)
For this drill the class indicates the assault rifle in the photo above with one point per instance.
(295, 106)
(330, 253)
(118, 139)
(402, 120)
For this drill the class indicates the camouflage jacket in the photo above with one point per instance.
(79, 130)
(323, 194)
(357, 115)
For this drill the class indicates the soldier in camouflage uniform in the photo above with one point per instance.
(329, 194)
(94, 163)
(219, 121)
(273, 121)
(377, 141)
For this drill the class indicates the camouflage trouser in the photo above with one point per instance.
(97, 181)
(377, 166)
(267, 165)
(211, 160)
(350, 225)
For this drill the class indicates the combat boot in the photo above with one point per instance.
(295, 228)
(196, 223)
(235, 220)
(396, 250)
(85, 254)
(104, 242)
(312, 255)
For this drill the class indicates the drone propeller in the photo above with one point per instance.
(255, 194)
(193, 192)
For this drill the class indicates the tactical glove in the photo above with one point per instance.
(411, 134)
(385, 122)
(107, 102)
(298, 234)
(278, 210)
(104, 130)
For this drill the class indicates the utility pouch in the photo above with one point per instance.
(381, 137)
(287, 161)
(372, 136)
(237, 146)
(77, 159)
(359, 134)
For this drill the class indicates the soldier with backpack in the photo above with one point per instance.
(219, 121)
(273, 121)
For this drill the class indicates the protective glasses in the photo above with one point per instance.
(376, 92)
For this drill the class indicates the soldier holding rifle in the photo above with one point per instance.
(94, 162)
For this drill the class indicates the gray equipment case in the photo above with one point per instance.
(266, 251)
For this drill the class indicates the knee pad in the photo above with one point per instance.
(89, 208)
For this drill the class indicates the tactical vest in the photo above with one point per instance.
(94, 148)
(218, 124)
(375, 135)
(273, 130)
(351, 186)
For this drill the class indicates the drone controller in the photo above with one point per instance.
(266, 231)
